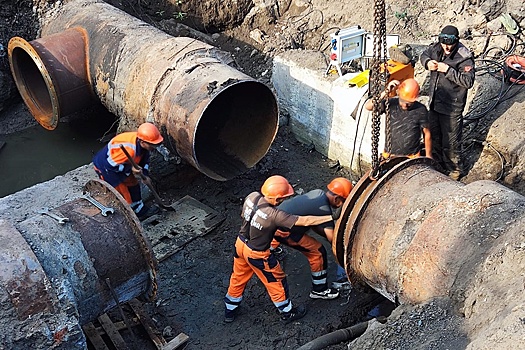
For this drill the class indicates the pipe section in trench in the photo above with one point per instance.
(218, 119)
(54, 277)
(415, 234)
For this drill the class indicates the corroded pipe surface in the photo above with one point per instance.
(217, 118)
(415, 234)
(53, 276)
(51, 75)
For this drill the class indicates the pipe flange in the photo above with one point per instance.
(45, 111)
(338, 246)
(364, 192)
(97, 186)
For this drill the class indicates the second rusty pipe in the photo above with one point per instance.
(218, 119)
(415, 234)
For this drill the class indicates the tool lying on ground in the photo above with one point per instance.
(146, 180)
(103, 209)
(61, 220)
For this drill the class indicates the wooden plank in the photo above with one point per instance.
(94, 337)
(148, 324)
(120, 325)
(112, 332)
(176, 342)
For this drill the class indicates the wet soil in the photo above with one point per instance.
(194, 281)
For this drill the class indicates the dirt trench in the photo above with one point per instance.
(194, 280)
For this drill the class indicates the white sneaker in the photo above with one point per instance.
(328, 294)
(342, 285)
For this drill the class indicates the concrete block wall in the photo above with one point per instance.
(324, 110)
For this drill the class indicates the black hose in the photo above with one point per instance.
(336, 337)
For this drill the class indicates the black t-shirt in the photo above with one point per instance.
(406, 126)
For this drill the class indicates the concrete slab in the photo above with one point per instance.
(170, 231)
(324, 110)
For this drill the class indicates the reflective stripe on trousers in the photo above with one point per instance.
(314, 251)
(246, 262)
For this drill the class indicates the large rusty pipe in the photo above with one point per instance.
(217, 118)
(51, 75)
(415, 234)
(53, 277)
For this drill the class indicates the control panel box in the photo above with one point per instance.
(354, 43)
(347, 44)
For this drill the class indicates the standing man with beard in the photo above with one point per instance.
(452, 73)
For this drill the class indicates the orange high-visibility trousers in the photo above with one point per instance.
(129, 188)
(313, 250)
(246, 262)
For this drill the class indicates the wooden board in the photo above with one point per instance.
(112, 332)
(110, 329)
(94, 337)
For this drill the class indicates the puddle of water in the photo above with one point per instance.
(35, 154)
(384, 308)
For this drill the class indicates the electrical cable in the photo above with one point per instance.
(321, 40)
(355, 137)
(361, 143)
(501, 160)
(301, 31)
(498, 69)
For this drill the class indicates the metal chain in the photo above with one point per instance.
(388, 143)
(377, 82)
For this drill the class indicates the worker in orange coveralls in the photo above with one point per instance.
(112, 165)
(252, 255)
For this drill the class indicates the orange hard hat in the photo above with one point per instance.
(340, 186)
(276, 186)
(149, 133)
(408, 90)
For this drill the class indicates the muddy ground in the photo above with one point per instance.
(194, 280)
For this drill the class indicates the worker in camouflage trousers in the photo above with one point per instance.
(315, 202)
(261, 219)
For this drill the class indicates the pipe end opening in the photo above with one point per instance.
(33, 82)
(236, 130)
